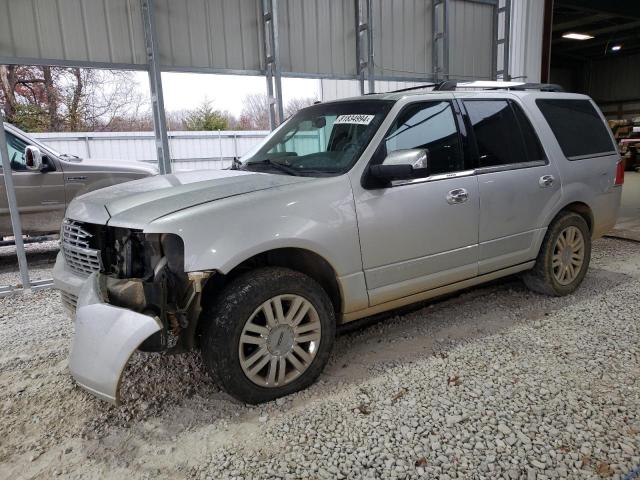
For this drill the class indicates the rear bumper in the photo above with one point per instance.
(105, 336)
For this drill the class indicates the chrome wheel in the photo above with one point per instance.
(279, 341)
(568, 255)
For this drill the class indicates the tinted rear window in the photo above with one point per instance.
(577, 126)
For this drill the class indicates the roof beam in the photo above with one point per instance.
(586, 20)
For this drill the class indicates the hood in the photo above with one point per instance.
(135, 204)
(107, 165)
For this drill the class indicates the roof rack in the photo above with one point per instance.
(501, 85)
(452, 85)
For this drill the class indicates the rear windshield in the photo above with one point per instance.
(577, 126)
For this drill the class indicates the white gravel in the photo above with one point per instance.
(494, 382)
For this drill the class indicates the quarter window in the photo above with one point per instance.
(577, 126)
(500, 141)
(430, 126)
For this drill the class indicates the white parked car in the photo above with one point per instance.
(348, 209)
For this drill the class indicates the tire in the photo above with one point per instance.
(544, 277)
(240, 312)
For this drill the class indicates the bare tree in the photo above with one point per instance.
(296, 104)
(57, 99)
(255, 112)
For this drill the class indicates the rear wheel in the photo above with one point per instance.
(564, 257)
(269, 334)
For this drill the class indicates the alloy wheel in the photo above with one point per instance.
(280, 340)
(568, 255)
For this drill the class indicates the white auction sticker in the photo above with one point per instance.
(356, 118)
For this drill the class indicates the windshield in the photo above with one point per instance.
(324, 139)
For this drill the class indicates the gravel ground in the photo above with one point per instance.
(493, 382)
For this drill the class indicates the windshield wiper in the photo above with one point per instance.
(276, 165)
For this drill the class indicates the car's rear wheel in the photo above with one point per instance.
(268, 334)
(564, 257)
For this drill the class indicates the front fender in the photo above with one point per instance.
(318, 216)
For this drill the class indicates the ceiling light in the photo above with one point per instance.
(615, 48)
(577, 36)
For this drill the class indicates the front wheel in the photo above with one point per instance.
(564, 257)
(268, 334)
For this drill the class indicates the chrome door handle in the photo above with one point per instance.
(457, 195)
(546, 181)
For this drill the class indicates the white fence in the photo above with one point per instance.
(189, 150)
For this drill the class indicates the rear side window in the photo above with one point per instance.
(498, 134)
(577, 126)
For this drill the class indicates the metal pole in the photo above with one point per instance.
(507, 33)
(220, 144)
(235, 145)
(155, 81)
(445, 39)
(276, 60)
(13, 207)
(88, 147)
(359, 59)
(267, 19)
(370, 64)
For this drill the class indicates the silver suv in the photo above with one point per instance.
(348, 209)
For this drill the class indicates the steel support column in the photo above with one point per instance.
(364, 45)
(155, 82)
(16, 224)
(502, 30)
(440, 55)
(272, 62)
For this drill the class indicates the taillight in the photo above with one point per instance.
(619, 173)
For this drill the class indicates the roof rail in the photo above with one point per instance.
(452, 85)
(499, 85)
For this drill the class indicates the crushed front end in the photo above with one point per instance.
(127, 290)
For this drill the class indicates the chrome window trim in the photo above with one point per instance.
(433, 178)
(511, 166)
(591, 155)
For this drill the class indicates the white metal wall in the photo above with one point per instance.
(525, 42)
(331, 89)
(189, 150)
(403, 36)
(317, 36)
(471, 39)
(211, 34)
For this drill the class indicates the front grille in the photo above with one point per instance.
(69, 301)
(78, 254)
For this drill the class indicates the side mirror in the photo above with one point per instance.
(33, 158)
(402, 165)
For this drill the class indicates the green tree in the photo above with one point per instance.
(205, 117)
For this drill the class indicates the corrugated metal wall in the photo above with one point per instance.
(331, 89)
(471, 39)
(403, 36)
(612, 79)
(317, 36)
(212, 34)
(525, 45)
(73, 30)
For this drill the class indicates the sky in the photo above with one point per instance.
(184, 91)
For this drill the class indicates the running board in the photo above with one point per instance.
(436, 292)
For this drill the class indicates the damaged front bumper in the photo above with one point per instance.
(105, 338)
